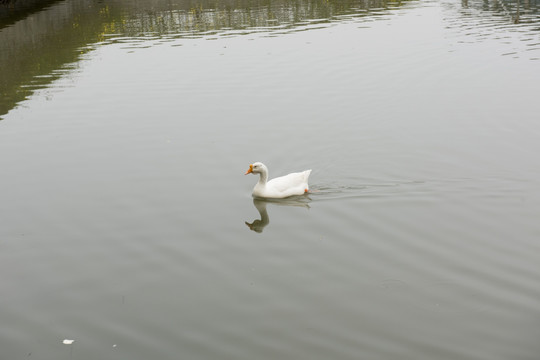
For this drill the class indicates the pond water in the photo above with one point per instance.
(128, 226)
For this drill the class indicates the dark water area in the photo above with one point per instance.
(127, 223)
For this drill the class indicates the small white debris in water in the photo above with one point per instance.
(68, 342)
(114, 346)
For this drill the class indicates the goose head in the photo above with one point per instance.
(256, 168)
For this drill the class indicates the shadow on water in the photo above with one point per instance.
(258, 225)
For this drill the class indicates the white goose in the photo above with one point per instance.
(280, 187)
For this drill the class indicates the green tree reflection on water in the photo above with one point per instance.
(41, 40)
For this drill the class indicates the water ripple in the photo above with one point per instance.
(514, 27)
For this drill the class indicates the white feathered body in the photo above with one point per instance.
(283, 186)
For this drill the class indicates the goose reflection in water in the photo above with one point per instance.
(258, 225)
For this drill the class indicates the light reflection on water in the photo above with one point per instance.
(126, 218)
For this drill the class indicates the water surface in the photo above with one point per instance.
(129, 227)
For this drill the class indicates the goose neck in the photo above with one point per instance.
(263, 178)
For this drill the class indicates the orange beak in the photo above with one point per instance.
(250, 170)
